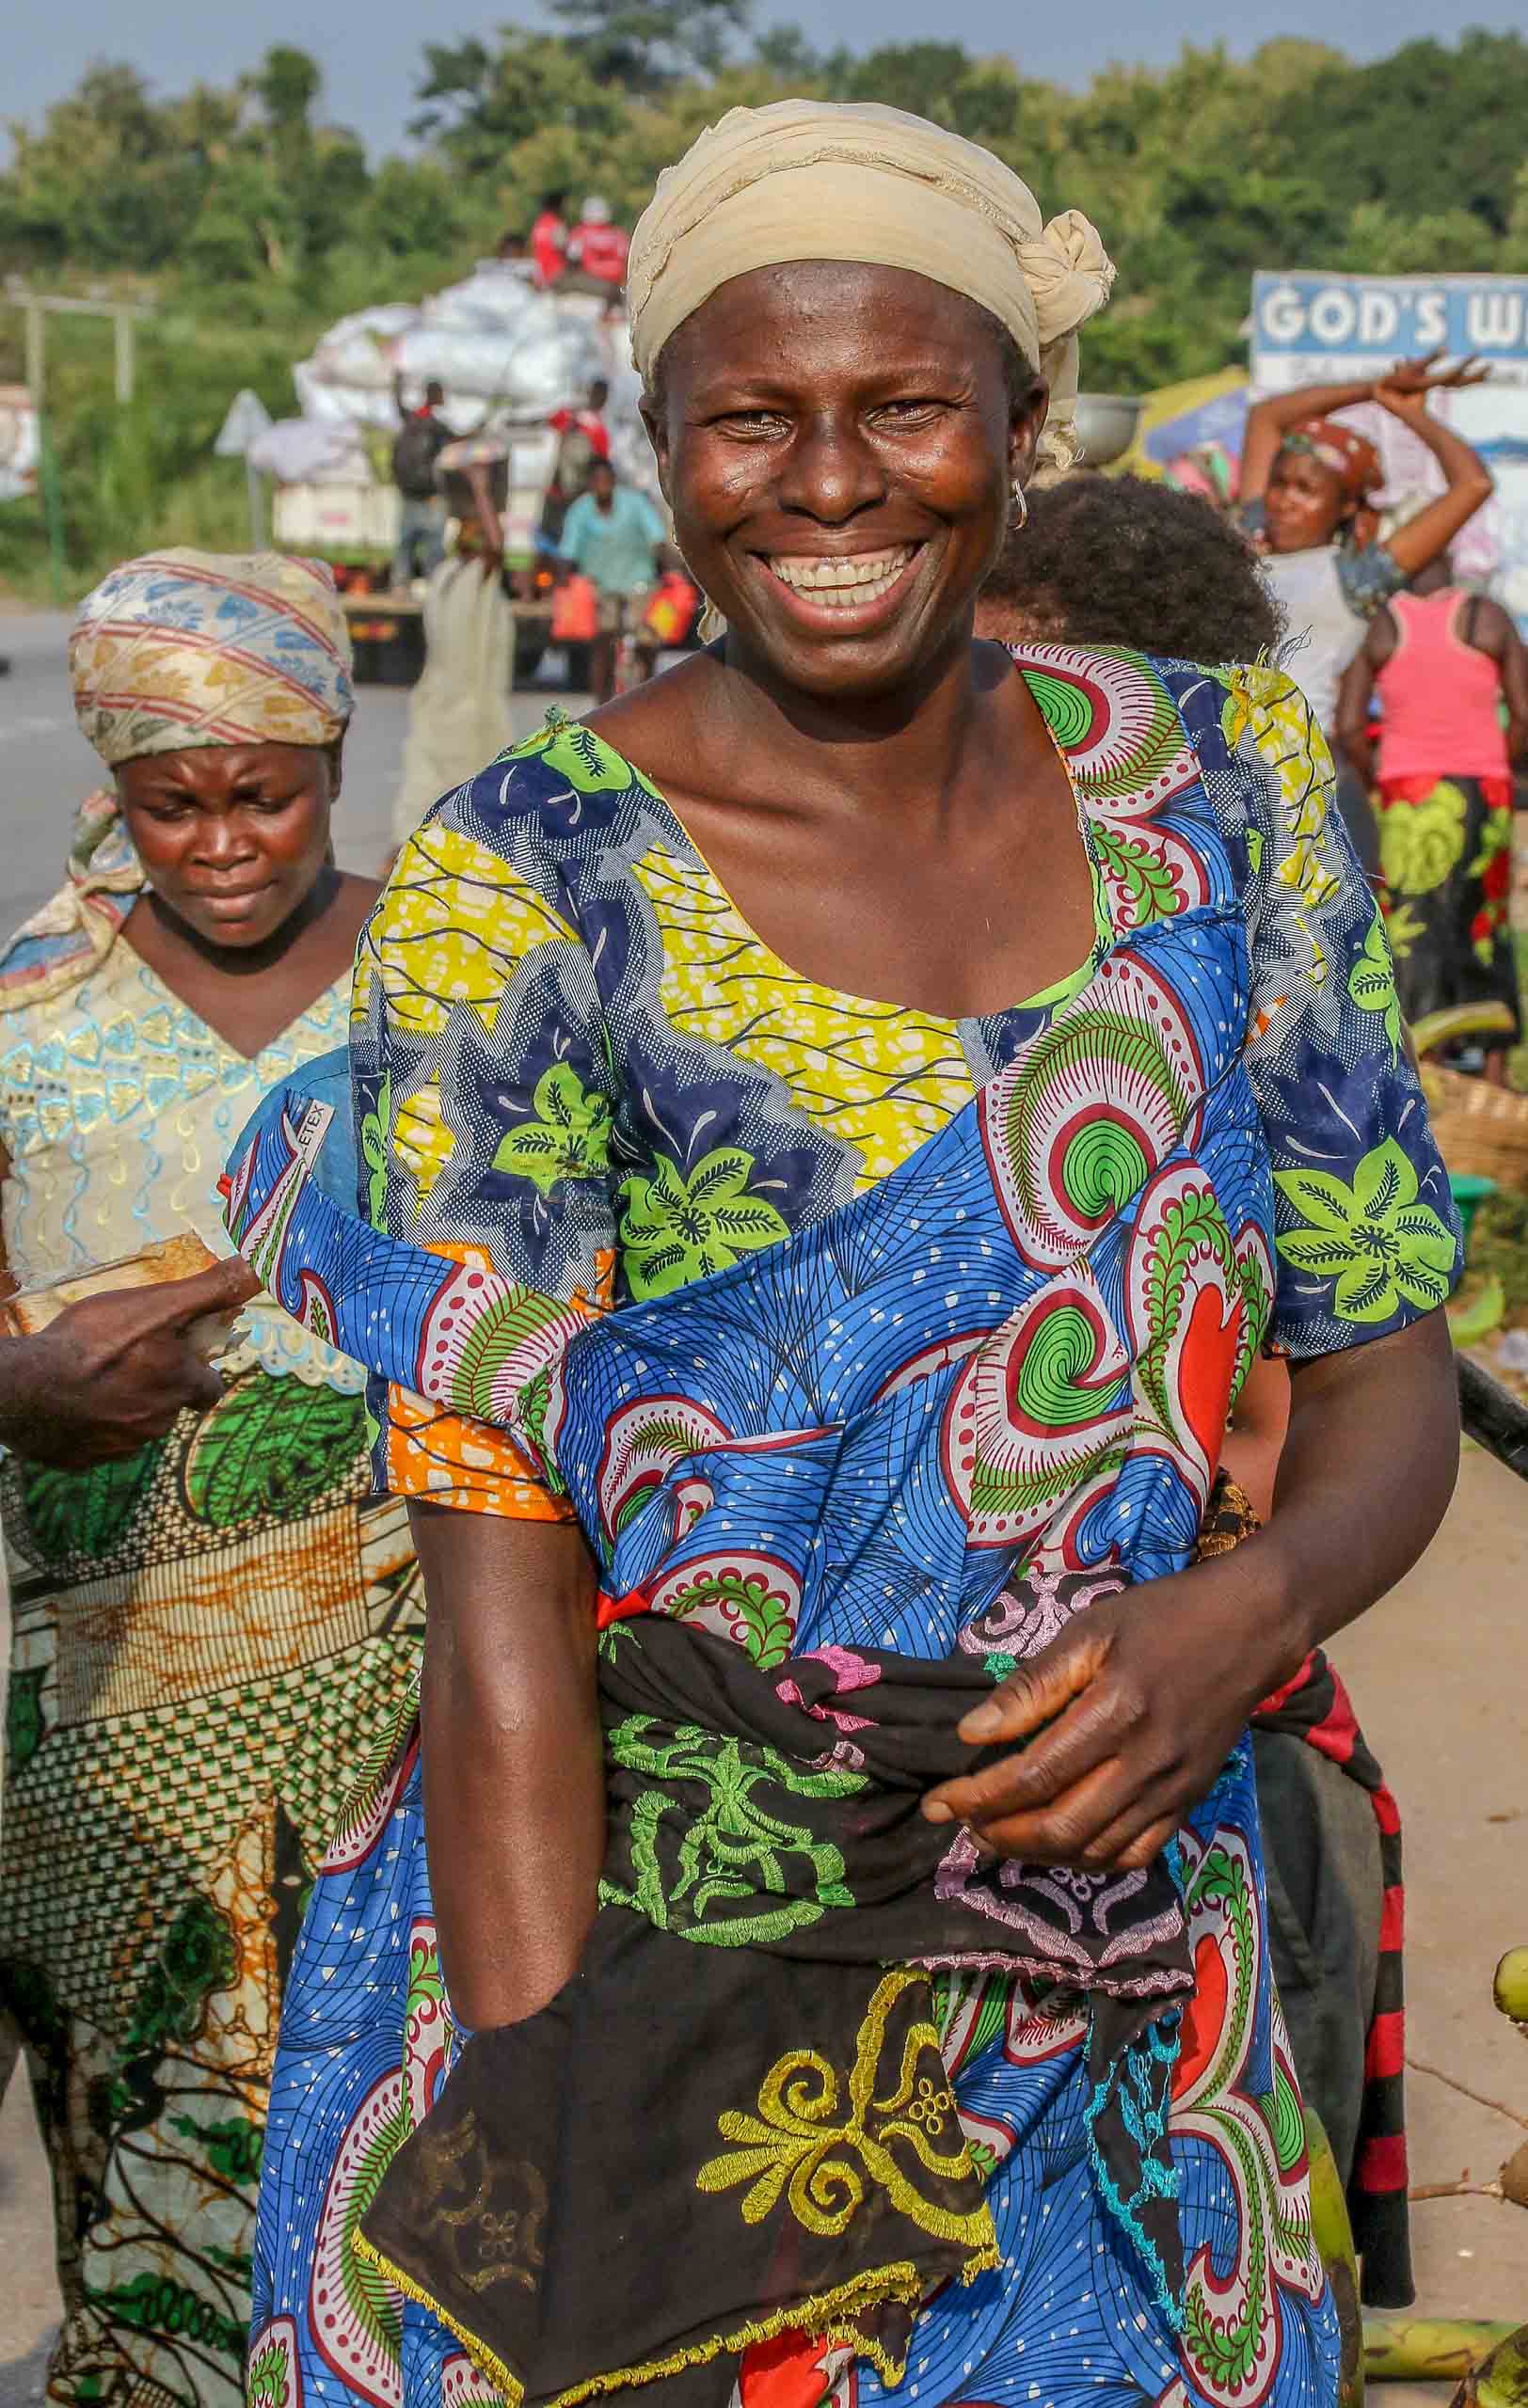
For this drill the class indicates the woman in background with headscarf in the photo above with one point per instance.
(1306, 494)
(860, 1068)
(459, 712)
(207, 1609)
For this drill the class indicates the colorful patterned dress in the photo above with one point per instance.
(840, 1326)
(205, 1636)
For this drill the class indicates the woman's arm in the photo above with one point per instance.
(513, 1764)
(1354, 696)
(1514, 659)
(1147, 1693)
(1470, 483)
(113, 1371)
(1269, 421)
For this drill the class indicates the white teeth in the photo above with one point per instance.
(841, 582)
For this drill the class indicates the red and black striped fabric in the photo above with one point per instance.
(1314, 1706)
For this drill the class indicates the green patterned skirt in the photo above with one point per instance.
(206, 1639)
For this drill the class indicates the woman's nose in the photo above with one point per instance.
(223, 839)
(832, 472)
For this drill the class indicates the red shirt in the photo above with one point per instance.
(600, 250)
(548, 246)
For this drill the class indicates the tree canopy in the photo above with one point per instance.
(1197, 174)
(255, 219)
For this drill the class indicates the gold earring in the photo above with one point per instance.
(1021, 507)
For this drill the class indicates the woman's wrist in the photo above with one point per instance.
(1262, 1602)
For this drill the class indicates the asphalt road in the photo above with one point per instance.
(46, 768)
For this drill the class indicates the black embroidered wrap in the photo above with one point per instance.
(735, 2119)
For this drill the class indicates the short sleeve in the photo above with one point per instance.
(483, 1113)
(1367, 1235)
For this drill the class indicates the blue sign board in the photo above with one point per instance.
(1387, 318)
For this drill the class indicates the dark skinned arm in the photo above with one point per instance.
(1354, 696)
(1514, 659)
(513, 1764)
(1269, 421)
(1470, 484)
(1149, 1691)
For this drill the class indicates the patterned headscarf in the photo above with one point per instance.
(811, 180)
(182, 649)
(171, 653)
(1350, 456)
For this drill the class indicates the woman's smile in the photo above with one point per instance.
(856, 590)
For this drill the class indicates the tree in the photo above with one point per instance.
(646, 45)
(480, 107)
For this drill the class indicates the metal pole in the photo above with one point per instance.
(257, 504)
(122, 328)
(34, 350)
(53, 508)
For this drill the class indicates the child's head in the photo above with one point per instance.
(1127, 561)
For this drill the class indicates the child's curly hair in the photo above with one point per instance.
(1127, 561)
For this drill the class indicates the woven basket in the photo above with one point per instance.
(1480, 1128)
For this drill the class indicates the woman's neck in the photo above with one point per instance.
(916, 741)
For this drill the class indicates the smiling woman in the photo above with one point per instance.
(838, 1129)
(202, 1600)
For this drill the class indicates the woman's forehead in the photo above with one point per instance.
(818, 308)
(209, 767)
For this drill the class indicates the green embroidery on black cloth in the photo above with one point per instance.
(705, 1868)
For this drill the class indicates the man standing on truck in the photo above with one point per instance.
(613, 535)
(422, 522)
(597, 249)
(548, 239)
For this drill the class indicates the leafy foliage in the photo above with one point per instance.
(259, 221)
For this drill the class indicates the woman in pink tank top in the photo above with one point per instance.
(1452, 679)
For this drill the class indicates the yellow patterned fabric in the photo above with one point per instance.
(455, 928)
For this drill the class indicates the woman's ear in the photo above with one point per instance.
(335, 753)
(1026, 422)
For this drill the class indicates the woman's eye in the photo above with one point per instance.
(914, 411)
(759, 422)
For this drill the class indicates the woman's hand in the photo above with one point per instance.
(113, 1371)
(1412, 380)
(1144, 1697)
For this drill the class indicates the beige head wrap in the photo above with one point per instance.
(809, 179)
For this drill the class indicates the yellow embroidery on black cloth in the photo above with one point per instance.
(797, 2143)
